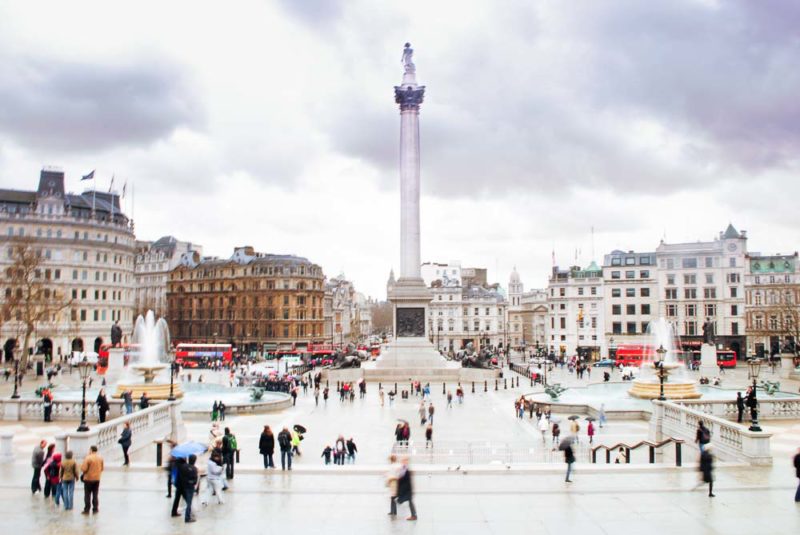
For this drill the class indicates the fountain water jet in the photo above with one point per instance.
(676, 386)
(153, 342)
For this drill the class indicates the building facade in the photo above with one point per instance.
(255, 301)
(772, 289)
(704, 281)
(576, 312)
(154, 262)
(87, 247)
(630, 292)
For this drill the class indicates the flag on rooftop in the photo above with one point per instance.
(89, 176)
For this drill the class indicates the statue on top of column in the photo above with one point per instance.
(407, 59)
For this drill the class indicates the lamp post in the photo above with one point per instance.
(661, 354)
(84, 369)
(17, 354)
(172, 371)
(755, 368)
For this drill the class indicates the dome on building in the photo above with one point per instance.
(514, 279)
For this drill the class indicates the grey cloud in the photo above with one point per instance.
(549, 104)
(315, 13)
(73, 106)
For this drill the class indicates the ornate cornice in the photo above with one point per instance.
(409, 97)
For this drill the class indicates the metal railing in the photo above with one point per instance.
(481, 453)
(653, 446)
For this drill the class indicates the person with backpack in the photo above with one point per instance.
(52, 473)
(285, 444)
(229, 448)
(188, 483)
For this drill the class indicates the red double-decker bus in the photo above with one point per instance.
(202, 355)
(726, 358)
(632, 354)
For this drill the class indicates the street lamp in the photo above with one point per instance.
(17, 354)
(755, 368)
(173, 369)
(661, 354)
(84, 369)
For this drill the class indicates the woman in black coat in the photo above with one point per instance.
(102, 405)
(405, 491)
(707, 469)
(266, 446)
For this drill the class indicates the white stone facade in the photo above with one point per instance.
(630, 291)
(88, 246)
(577, 314)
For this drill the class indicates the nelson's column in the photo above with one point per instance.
(411, 354)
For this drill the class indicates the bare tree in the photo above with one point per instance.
(31, 299)
(382, 317)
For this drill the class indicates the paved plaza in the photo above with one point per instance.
(493, 498)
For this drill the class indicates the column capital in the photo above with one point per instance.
(409, 97)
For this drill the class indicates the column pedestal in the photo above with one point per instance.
(708, 361)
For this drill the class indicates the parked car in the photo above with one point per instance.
(605, 363)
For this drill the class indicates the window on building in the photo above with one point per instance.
(773, 323)
(689, 263)
(630, 327)
(594, 290)
(671, 293)
(734, 328)
(691, 310)
(672, 310)
(690, 278)
(630, 292)
(690, 293)
(710, 310)
(733, 278)
(732, 261)
(616, 292)
(671, 279)
(563, 322)
(644, 292)
(616, 261)
(709, 278)
(616, 310)
(630, 310)
(616, 328)
(710, 293)
(83, 315)
(630, 274)
(709, 261)
(594, 322)
(580, 290)
(645, 309)
(615, 275)
(691, 328)
(734, 291)
(562, 292)
(644, 274)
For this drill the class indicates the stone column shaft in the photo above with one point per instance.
(409, 194)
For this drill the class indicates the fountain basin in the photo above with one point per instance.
(154, 390)
(644, 389)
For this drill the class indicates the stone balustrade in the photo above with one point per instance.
(153, 423)
(32, 408)
(733, 442)
(769, 408)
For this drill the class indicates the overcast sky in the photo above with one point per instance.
(273, 123)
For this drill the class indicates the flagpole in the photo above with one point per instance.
(110, 190)
(94, 190)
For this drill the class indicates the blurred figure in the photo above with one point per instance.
(405, 491)
(797, 473)
(707, 468)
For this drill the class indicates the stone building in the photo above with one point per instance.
(576, 307)
(88, 248)
(700, 281)
(255, 301)
(154, 262)
(630, 290)
(527, 316)
(341, 323)
(772, 306)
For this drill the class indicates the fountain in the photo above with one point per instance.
(676, 386)
(152, 339)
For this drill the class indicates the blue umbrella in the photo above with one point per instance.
(182, 451)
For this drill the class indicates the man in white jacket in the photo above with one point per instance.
(214, 479)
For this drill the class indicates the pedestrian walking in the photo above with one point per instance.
(797, 474)
(380, 395)
(48, 456)
(543, 426)
(294, 396)
(127, 397)
(392, 477)
(556, 432)
(339, 450)
(752, 403)
(431, 410)
(429, 436)
(214, 479)
(422, 413)
(707, 468)
(405, 490)
(37, 461)
(188, 484)
(739, 407)
(285, 444)
(52, 474)
(102, 405)
(214, 411)
(316, 396)
(295, 442)
(69, 474)
(702, 437)
(144, 401)
(221, 406)
(326, 454)
(325, 393)
(602, 416)
(47, 404)
(229, 447)
(392, 394)
(91, 471)
(590, 432)
(266, 447)
(351, 451)
(125, 442)
(449, 399)
(569, 457)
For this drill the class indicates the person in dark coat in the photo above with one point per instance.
(752, 403)
(797, 473)
(125, 442)
(285, 443)
(144, 402)
(177, 470)
(569, 458)
(266, 446)
(228, 452)
(37, 461)
(188, 481)
(707, 468)
(102, 405)
(405, 490)
(739, 406)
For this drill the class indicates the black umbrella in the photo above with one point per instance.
(573, 417)
(565, 443)
(590, 419)
(299, 428)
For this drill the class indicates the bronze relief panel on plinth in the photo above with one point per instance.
(410, 322)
